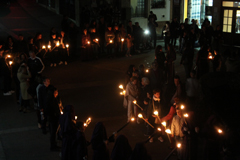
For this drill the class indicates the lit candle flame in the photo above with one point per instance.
(110, 41)
(164, 124)
(182, 107)
(179, 145)
(132, 119)
(155, 113)
(121, 93)
(43, 47)
(61, 112)
(159, 129)
(122, 39)
(121, 86)
(67, 45)
(135, 102)
(10, 63)
(147, 70)
(124, 92)
(140, 115)
(210, 57)
(89, 119)
(57, 44)
(85, 124)
(168, 131)
(49, 46)
(220, 131)
(96, 39)
(88, 42)
(185, 115)
(9, 56)
(75, 117)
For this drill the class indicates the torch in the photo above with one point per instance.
(67, 46)
(10, 63)
(182, 106)
(135, 102)
(165, 124)
(88, 42)
(141, 116)
(49, 46)
(178, 146)
(147, 70)
(122, 39)
(96, 40)
(110, 41)
(158, 129)
(43, 47)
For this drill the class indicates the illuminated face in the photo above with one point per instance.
(40, 36)
(47, 82)
(93, 30)
(176, 82)
(85, 32)
(116, 28)
(157, 95)
(134, 82)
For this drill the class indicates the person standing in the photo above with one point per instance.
(174, 31)
(63, 49)
(153, 34)
(121, 150)
(170, 57)
(167, 35)
(179, 90)
(109, 38)
(86, 45)
(23, 76)
(187, 58)
(54, 51)
(152, 15)
(22, 46)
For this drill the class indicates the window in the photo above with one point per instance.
(227, 20)
(237, 27)
(230, 4)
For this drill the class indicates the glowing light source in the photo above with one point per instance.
(182, 107)
(220, 131)
(159, 129)
(85, 124)
(164, 124)
(88, 42)
(9, 56)
(111, 41)
(179, 145)
(49, 46)
(96, 40)
(168, 131)
(210, 57)
(122, 39)
(57, 44)
(43, 47)
(133, 119)
(67, 45)
(147, 70)
(10, 63)
(185, 115)
(121, 86)
(76, 117)
(135, 102)
(155, 113)
(140, 115)
(146, 32)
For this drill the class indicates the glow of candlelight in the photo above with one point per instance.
(168, 131)
(185, 115)
(182, 107)
(159, 129)
(88, 42)
(179, 145)
(10, 63)
(111, 41)
(220, 131)
(89, 119)
(164, 124)
(85, 124)
(75, 117)
(124, 92)
(61, 112)
(147, 70)
(155, 113)
(96, 39)
(122, 39)
(140, 115)
(9, 56)
(210, 57)
(135, 102)
(121, 93)
(121, 86)
(67, 45)
(43, 47)
(57, 44)
(49, 46)
(132, 119)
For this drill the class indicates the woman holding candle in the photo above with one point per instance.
(86, 45)
(54, 51)
(109, 37)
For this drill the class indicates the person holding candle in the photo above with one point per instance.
(54, 51)
(109, 37)
(38, 44)
(86, 45)
(117, 39)
(129, 45)
(94, 42)
(154, 105)
(131, 95)
(121, 150)
(145, 93)
(63, 48)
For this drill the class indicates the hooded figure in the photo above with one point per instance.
(68, 131)
(140, 153)
(99, 146)
(121, 150)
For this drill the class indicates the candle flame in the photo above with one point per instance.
(111, 41)
(61, 112)
(96, 39)
(164, 124)
(121, 93)
(135, 102)
(67, 45)
(122, 39)
(124, 92)
(10, 63)
(210, 57)
(85, 124)
(43, 47)
(88, 42)
(185, 115)
(75, 117)
(182, 107)
(220, 131)
(155, 113)
(9, 56)
(159, 129)
(121, 86)
(147, 70)
(57, 44)
(132, 119)
(140, 115)
(179, 145)
(89, 119)
(168, 131)
(49, 46)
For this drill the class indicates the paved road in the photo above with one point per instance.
(92, 87)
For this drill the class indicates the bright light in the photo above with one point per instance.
(49, 46)
(146, 32)
(164, 124)
(121, 93)
(124, 92)
(88, 42)
(85, 124)
(185, 115)
(140, 115)
(43, 47)
(75, 117)
(121, 86)
(122, 39)
(61, 112)
(155, 113)
(96, 39)
(159, 129)
(10, 63)
(9, 56)
(132, 119)
(168, 131)
(210, 57)
(57, 44)
(182, 107)
(111, 41)
(135, 102)
(220, 131)
(89, 119)
(147, 70)
(179, 145)
(67, 45)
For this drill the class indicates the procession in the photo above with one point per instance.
(172, 108)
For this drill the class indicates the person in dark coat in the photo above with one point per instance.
(202, 61)
(140, 153)
(152, 28)
(22, 46)
(99, 143)
(174, 31)
(10, 45)
(170, 57)
(68, 131)
(187, 58)
(160, 58)
(121, 150)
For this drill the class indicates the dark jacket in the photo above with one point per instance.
(35, 65)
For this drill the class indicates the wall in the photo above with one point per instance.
(162, 11)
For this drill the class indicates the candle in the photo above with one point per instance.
(88, 42)
(96, 40)
(43, 47)
(111, 41)
(9, 56)
(141, 116)
(164, 124)
(182, 107)
(155, 113)
(67, 45)
(179, 145)
(135, 102)
(121, 86)
(168, 131)
(159, 129)
(49, 46)
(185, 115)
(10, 63)
(75, 117)
(57, 44)
(122, 39)
(147, 70)
(220, 131)
(61, 112)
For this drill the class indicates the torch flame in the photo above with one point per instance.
(67, 45)
(155, 113)
(159, 129)
(210, 57)
(168, 131)
(182, 107)
(89, 119)
(121, 86)
(9, 56)
(185, 115)
(111, 41)
(122, 39)
(220, 131)
(140, 115)
(135, 102)
(61, 112)
(121, 93)
(147, 70)
(164, 124)
(43, 47)
(124, 92)
(179, 145)
(96, 39)
(75, 117)
(132, 119)
(88, 42)
(85, 124)
(10, 63)
(49, 46)
(57, 44)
